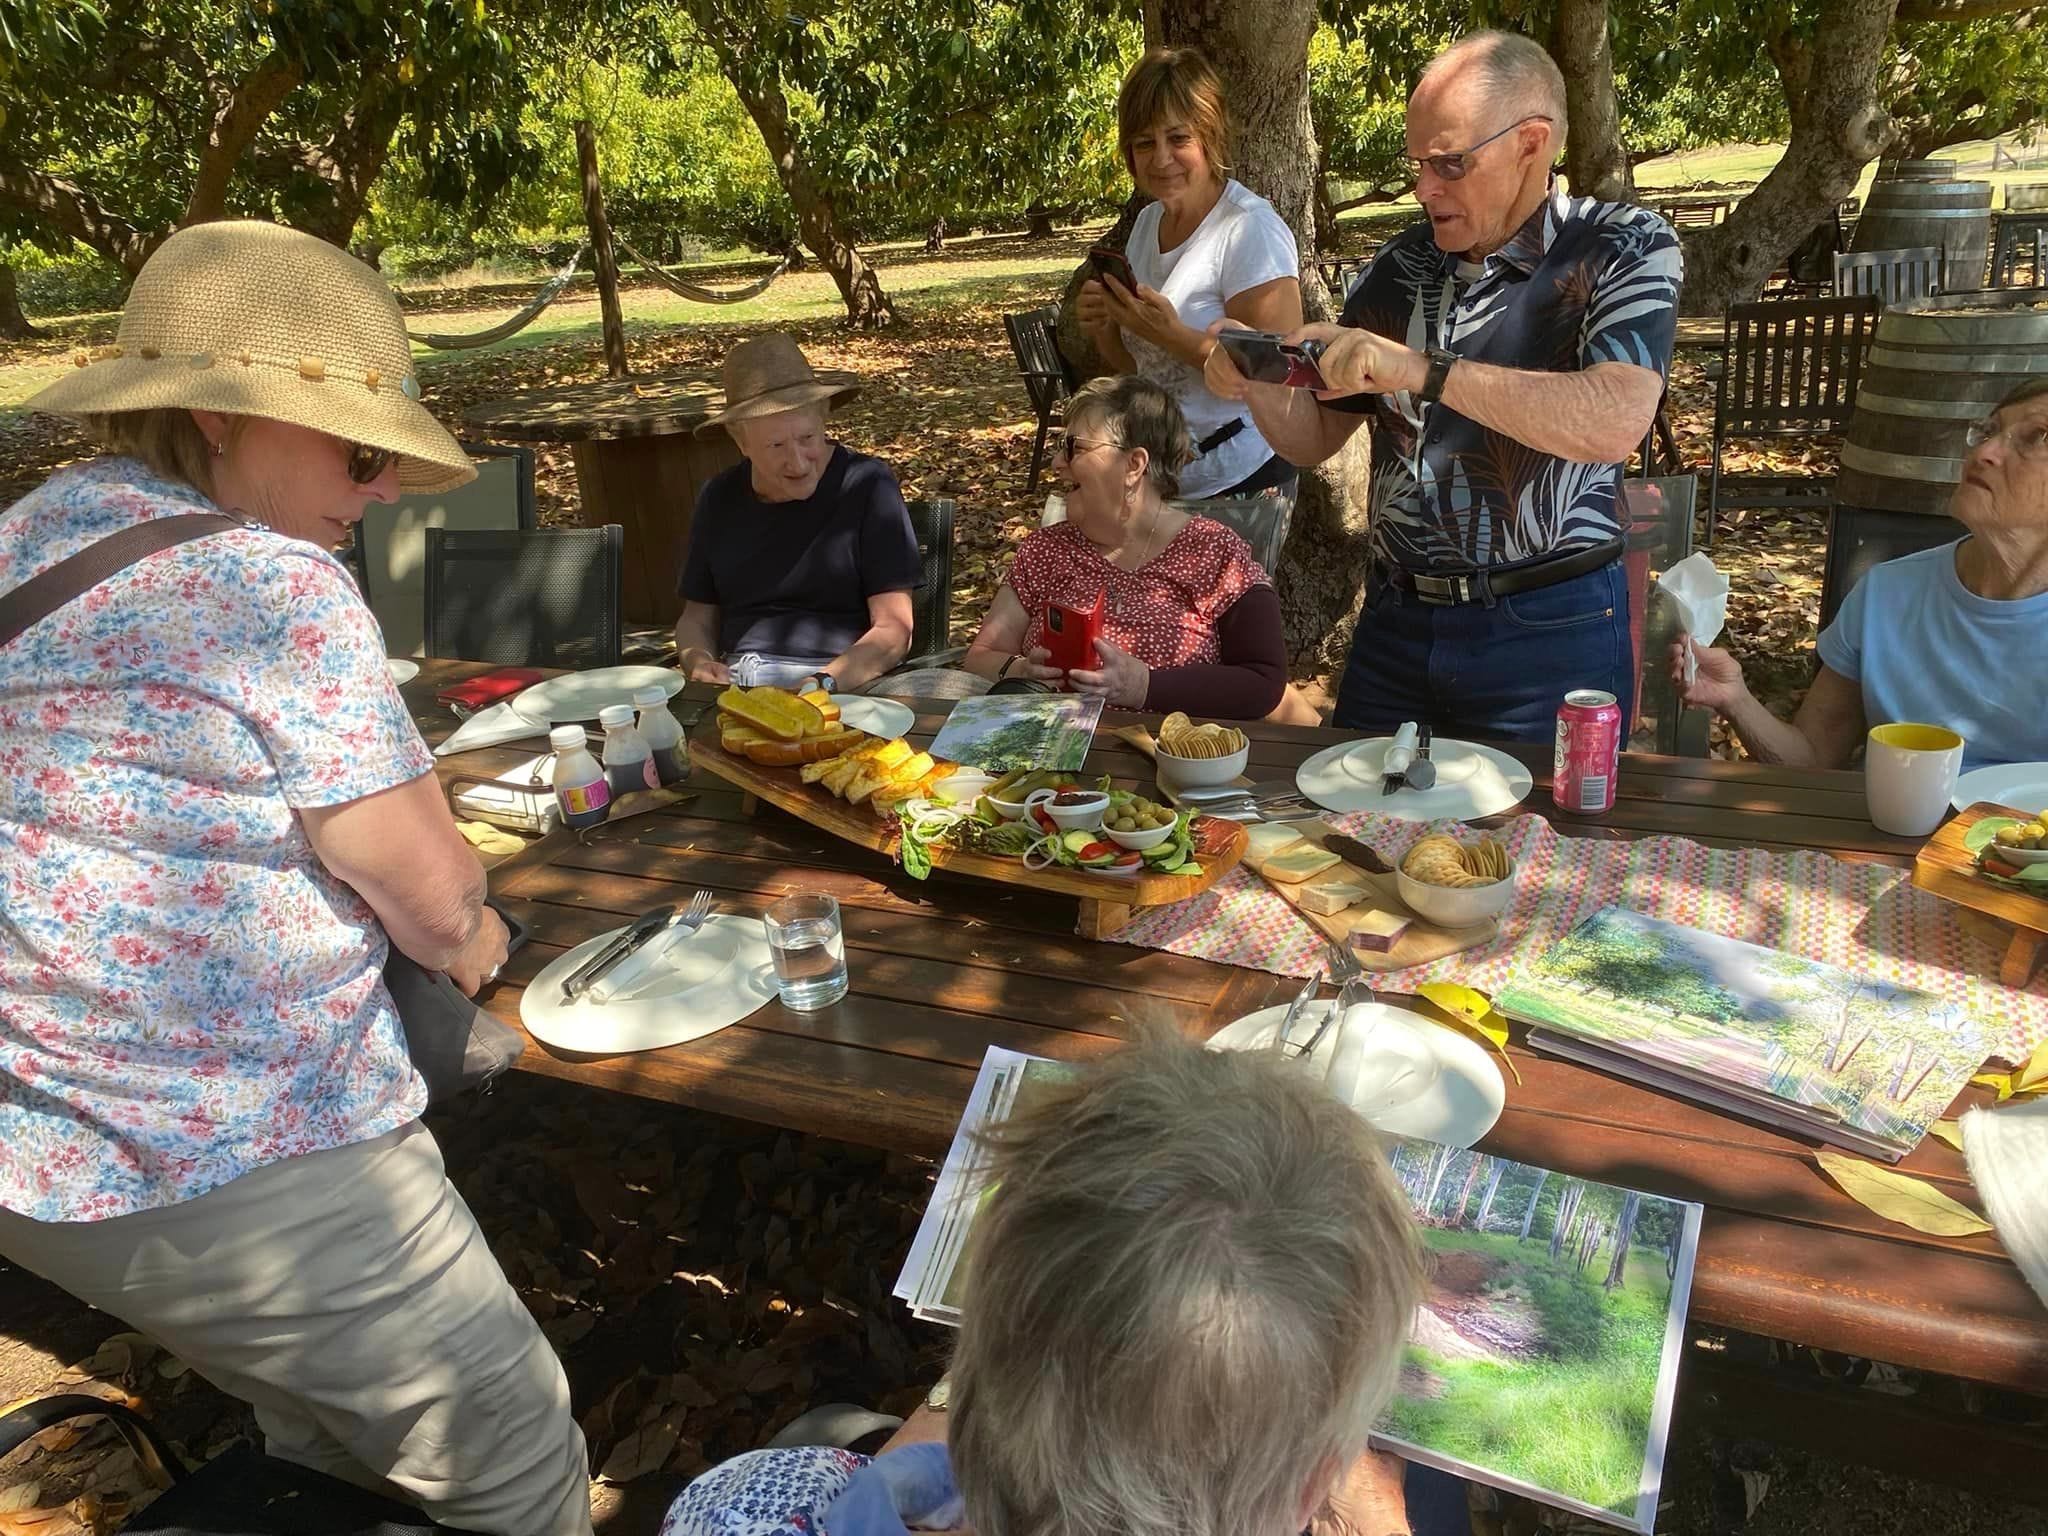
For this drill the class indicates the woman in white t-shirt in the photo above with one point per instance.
(1206, 247)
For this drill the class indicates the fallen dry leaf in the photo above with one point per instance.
(22, 1496)
(645, 1450)
(1950, 1131)
(1899, 1197)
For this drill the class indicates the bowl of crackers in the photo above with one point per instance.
(1195, 756)
(1454, 884)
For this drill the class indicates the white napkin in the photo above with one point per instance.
(2008, 1153)
(488, 727)
(1701, 593)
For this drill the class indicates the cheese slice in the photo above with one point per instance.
(1330, 893)
(1263, 839)
(1293, 865)
(1377, 931)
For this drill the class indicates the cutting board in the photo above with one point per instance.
(1948, 869)
(1422, 942)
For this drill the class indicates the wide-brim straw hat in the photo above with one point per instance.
(767, 375)
(254, 319)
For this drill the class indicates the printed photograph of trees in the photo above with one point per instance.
(1538, 1354)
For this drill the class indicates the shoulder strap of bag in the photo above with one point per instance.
(47, 591)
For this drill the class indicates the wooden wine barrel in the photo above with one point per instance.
(1935, 366)
(2026, 195)
(1955, 215)
(1916, 170)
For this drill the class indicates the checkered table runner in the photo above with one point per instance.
(1866, 918)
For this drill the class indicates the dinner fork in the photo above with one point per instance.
(632, 968)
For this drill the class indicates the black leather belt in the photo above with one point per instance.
(1451, 589)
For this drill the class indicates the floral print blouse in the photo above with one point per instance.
(185, 993)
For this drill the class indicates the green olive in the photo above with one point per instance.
(2009, 837)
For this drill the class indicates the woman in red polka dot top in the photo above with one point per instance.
(1190, 621)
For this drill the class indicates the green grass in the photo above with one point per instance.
(1574, 1423)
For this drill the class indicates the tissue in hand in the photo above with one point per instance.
(1701, 594)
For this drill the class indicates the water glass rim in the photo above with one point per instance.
(798, 905)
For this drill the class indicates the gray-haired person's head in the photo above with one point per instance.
(1136, 413)
(1186, 1303)
(1515, 72)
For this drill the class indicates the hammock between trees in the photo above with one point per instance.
(691, 291)
(549, 292)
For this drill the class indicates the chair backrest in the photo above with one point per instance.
(529, 597)
(1340, 274)
(1793, 365)
(1657, 516)
(1894, 276)
(2022, 243)
(1860, 537)
(932, 602)
(1261, 520)
(1034, 338)
(1813, 259)
(390, 550)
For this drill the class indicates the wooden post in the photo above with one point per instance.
(601, 248)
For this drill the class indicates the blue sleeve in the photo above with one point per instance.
(1841, 643)
(1633, 314)
(889, 561)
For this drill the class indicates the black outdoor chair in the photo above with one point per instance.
(1666, 538)
(1034, 338)
(2022, 245)
(1340, 274)
(1790, 368)
(241, 1492)
(545, 597)
(1860, 537)
(1894, 276)
(1261, 520)
(932, 601)
(1659, 447)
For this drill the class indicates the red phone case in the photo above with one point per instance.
(1071, 633)
(491, 687)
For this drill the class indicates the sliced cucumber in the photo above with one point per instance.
(1077, 840)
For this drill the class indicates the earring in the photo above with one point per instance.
(220, 449)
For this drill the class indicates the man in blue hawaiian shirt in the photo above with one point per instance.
(1509, 354)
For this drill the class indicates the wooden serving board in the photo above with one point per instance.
(1107, 901)
(1423, 942)
(1949, 870)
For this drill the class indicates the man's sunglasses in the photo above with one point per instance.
(1452, 167)
(365, 463)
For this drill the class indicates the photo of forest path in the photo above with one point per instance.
(1537, 1350)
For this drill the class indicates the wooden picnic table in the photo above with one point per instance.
(943, 969)
(640, 463)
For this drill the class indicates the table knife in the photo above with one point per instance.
(644, 927)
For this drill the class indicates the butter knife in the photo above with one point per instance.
(644, 927)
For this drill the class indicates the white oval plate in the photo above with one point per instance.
(1457, 1109)
(876, 716)
(578, 696)
(402, 669)
(716, 977)
(2023, 786)
(1472, 780)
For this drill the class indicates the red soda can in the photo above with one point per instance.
(1588, 751)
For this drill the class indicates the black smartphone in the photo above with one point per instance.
(1113, 263)
(1266, 358)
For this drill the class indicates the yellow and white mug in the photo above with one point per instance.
(1909, 776)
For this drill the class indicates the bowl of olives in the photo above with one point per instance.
(1138, 823)
(2021, 842)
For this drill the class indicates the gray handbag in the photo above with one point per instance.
(454, 1043)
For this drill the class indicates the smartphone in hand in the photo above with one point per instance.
(1113, 263)
(1265, 358)
(1071, 633)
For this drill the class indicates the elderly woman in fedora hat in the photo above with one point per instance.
(801, 559)
(215, 815)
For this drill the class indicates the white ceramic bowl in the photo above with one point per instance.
(1009, 810)
(1454, 906)
(2018, 855)
(1151, 837)
(1084, 817)
(1200, 772)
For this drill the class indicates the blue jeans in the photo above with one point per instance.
(1496, 673)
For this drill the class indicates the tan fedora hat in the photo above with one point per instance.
(767, 375)
(255, 319)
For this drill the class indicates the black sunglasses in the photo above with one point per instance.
(1452, 167)
(365, 463)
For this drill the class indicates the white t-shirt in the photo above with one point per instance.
(1241, 244)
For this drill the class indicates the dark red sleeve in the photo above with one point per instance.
(1250, 680)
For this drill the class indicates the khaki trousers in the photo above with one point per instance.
(350, 1297)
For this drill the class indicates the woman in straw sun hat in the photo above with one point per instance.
(215, 814)
(801, 558)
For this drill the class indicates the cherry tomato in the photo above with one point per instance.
(1096, 850)
(1128, 859)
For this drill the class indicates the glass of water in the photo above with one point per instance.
(809, 951)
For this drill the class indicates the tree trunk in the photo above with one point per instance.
(1830, 78)
(1074, 343)
(1465, 1194)
(14, 324)
(1038, 222)
(1595, 161)
(1486, 1200)
(601, 251)
(232, 129)
(1535, 1195)
(818, 220)
(1436, 1178)
(1260, 47)
(1325, 210)
(1567, 1208)
(1624, 1234)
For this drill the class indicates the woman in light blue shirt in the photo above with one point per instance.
(1950, 636)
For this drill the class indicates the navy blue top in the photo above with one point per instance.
(791, 579)
(1581, 282)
